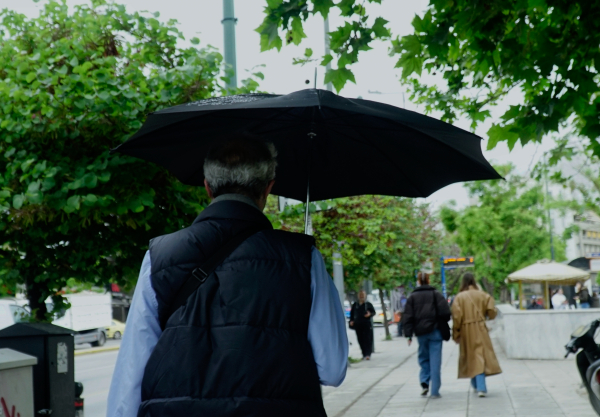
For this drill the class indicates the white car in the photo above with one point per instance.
(11, 312)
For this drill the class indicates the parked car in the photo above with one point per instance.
(378, 318)
(116, 330)
(11, 312)
(347, 309)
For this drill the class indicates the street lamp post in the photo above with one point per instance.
(229, 22)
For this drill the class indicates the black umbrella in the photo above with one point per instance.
(327, 144)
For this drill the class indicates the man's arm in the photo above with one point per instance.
(143, 332)
(327, 325)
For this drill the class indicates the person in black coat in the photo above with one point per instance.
(360, 321)
(424, 309)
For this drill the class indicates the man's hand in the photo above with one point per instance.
(368, 314)
(351, 323)
(409, 342)
(457, 341)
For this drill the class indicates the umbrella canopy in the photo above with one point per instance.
(341, 147)
(550, 272)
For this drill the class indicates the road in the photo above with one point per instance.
(95, 371)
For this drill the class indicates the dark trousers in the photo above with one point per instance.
(364, 334)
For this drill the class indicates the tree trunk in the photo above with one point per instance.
(388, 336)
(504, 294)
(37, 292)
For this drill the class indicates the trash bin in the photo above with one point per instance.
(53, 376)
(16, 383)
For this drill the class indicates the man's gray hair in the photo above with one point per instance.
(241, 165)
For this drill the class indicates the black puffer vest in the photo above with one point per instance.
(239, 346)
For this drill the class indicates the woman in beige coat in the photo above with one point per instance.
(477, 358)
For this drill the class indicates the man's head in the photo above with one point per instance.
(362, 296)
(242, 164)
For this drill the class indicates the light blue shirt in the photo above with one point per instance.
(326, 335)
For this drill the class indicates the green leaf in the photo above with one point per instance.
(30, 77)
(89, 200)
(379, 28)
(326, 59)
(297, 32)
(410, 64)
(74, 62)
(274, 4)
(322, 6)
(73, 204)
(48, 184)
(18, 200)
(90, 180)
(104, 95)
(339, 77)
(308, 52)
(498, 133)
(195, 41)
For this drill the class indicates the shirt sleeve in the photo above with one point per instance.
(327, 325)
(141, 336)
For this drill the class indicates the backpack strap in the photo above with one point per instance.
(200, 274)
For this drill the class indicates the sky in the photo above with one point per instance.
(376, 77)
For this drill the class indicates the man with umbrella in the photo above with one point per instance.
(229, 316)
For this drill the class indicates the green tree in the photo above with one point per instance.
(383, 239)
(576, 167)
(505, 231)
(74, 84)
(547, 50)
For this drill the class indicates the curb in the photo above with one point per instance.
(96, 350)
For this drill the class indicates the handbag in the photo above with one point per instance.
(442, 325)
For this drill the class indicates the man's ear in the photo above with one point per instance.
(209, 191)
(269, 188)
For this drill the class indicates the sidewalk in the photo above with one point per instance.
(388, 386)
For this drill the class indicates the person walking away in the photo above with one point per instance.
(425, 310)
(469, 311)
(399, 302)
(559, 301)
(583, 295)
(360, 321)
(264, 328)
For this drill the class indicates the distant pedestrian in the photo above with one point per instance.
(583, 295)
(399, 303)
(469, 311)
(360, 321)
(426, 310)
(559, 301)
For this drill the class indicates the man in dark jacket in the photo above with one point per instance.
(425, 308)
(258, 336)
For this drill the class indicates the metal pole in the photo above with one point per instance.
(229, 22)
(338, 275)
(521, 307)
(328, 86)
(444, 293)
(307, 222)
(548, 207)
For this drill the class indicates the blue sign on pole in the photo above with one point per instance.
(453, 263)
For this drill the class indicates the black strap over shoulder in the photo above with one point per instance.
(200, 274)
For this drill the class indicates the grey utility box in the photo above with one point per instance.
(53, 376)
(16, 383)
